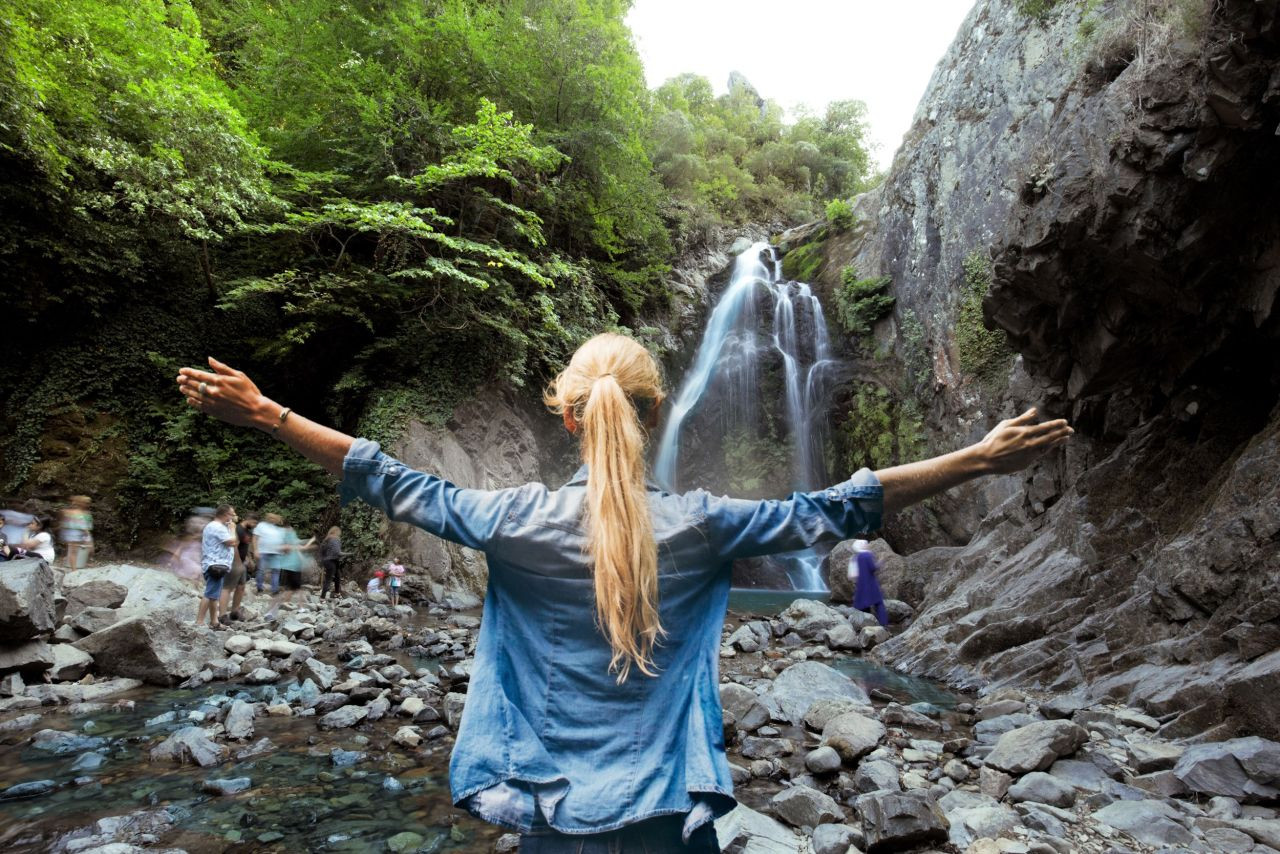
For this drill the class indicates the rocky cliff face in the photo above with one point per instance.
(1117, 170)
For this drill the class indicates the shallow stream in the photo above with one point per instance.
(311, 791)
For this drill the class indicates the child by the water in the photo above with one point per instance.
(375, 583)
(395, 573)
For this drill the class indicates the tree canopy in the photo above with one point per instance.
(382, 203)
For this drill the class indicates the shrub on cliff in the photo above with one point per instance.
(861, 302)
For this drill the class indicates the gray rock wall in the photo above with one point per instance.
(1127, 208)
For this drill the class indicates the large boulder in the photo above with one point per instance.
(1035, 747)
(69, 663)
(26, 600)
(97, 593)
(801, 685)
(159, 648)
(31, 656)
(896, 821)
(1242, 768)
(148, 590)
(742, 830)
(1152, 823)
(810, 618)
(804, 806)
(972, 815)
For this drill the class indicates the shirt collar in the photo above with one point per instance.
(580, 479)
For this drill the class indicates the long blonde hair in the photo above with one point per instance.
(610, 384)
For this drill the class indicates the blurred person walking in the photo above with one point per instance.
(268, 538)
(76, 531)
(331, 562)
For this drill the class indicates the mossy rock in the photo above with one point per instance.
(803, 263)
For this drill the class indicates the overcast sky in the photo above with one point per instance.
(881, 52)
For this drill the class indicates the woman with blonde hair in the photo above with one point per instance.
(593, 718)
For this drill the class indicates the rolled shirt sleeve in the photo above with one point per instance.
(745, 528)
(470, 517)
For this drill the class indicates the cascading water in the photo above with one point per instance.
(728, 367)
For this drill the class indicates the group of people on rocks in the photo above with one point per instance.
(232, 550)
(28, 535)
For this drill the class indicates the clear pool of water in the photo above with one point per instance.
(300, 799)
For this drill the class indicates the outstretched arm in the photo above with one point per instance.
(1012, 446)
(230, 396)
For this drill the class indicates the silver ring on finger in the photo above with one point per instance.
(200, 388)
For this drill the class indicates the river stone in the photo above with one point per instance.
(159, 648)
(325, 675)
(346, 716)
(990, 730)
(31, 789)
(876, 774)
(26, 600)
(58, 742)
(228, 786)
(12, 685)
(803, 684)
(94, 619)
(69, 663)
(1148, 756)
(1081, 774)
(261, 676)
(1242, 768)
(90, 761)
(326, 703)
(999, 708)
(239, 722)
(1149, 822)
(31, 656)
(824, 710)
(1035, 747)
(26, 721)
(972, 816)
(150, 591)
(453, 706)
(802, 806)
(1044, 789)
(78, 692)
(744, 830)
(895, 821)
(750, 637)
(405, 842)
(238, 644)
(760, 747)
(834, 839)
(824, 760)
(96, 593)
(190, 744)
(407, 736)
(1265, 831)
(852, 735)
(810, 618)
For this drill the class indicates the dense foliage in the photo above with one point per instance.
(377, 206)
(861, 302)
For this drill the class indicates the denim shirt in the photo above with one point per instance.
(546, 728)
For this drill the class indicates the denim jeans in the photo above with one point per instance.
(659, 835)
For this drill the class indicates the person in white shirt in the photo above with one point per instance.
(217, 542)
(38, 540)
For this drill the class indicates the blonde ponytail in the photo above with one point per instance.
(608, 381)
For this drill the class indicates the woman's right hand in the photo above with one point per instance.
(227, 394)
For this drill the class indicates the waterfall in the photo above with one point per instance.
(727, 369)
